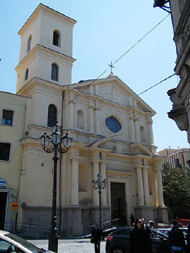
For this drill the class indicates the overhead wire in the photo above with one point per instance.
(113, 108)
(150, 31)
(137, 95)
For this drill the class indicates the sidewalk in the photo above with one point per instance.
(71, 246)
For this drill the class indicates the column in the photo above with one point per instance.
(97, 121)
(65, 112)
(95, 197)
(104, 191)
(137, 130)
(130, 102)
(91, 120)
(71, 115)
(160, 190)
(74, 180)
(150, 133)
(155, 189)
(146, 188)
(132, 129)
(140, 187)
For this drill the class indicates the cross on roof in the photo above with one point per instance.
(111, 66)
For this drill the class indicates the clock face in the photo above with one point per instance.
(113, 124)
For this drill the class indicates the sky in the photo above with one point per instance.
(120, 32)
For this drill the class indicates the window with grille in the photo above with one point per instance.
(7, 117)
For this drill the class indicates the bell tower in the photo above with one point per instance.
(46, 48)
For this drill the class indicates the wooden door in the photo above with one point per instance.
(117, 200)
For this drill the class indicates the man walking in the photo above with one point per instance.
(176, 238)
(96, 237)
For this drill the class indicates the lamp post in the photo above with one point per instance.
(99, 185)
(59, 144)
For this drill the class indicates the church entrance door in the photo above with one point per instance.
(3, 201)
(118, 201)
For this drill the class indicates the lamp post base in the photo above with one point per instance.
(53, 243)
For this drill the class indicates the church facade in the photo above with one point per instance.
(111, 129)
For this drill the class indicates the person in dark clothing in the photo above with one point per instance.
(96, 237)
(188, 240)
(132, 219)
(176, 238)
(140, 241)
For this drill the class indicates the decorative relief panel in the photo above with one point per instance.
(113, 94)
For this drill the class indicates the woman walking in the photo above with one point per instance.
(140, 241)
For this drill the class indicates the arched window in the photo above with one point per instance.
(54, 72)
(80, 119)
(29, 43)
(142, 134)
(56, 38)
(52, 115)
(26, 74)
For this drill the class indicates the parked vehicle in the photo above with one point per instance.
(118, 241)
(15, 244)
(166, 230)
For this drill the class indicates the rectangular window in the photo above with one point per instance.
(7, 117)
(5, 151)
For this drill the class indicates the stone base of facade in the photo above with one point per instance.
(71, 222)
(162, 214)
(157, 214)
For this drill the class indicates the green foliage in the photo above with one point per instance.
(176, 189)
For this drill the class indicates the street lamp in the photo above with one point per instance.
(98, 185)
(59, 144)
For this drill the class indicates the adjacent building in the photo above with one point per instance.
(176, 158)
(111, 129)
(12, 115)
(180, 95)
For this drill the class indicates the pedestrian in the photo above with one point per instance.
(132, 219)
(151, 224)
(140, 241)
(188, 240)
(96, 233)
(123, 219)
(176, 238)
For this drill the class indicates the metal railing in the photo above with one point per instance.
(29, 230)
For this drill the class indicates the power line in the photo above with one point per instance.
(165, 79)
(108, 69)
(153, 86)
(140, 39)
(150, 31)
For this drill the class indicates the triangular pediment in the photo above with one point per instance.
(140, 149)
(114, 90)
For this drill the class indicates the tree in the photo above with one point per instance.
(176, 189)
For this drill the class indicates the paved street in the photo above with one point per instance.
(71, 246)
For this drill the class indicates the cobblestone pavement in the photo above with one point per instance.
(71, 246)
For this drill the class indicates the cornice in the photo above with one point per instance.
(38, 10)
(118, 174)
(35, 81)
(42, 49)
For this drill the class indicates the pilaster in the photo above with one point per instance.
(140, 187)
